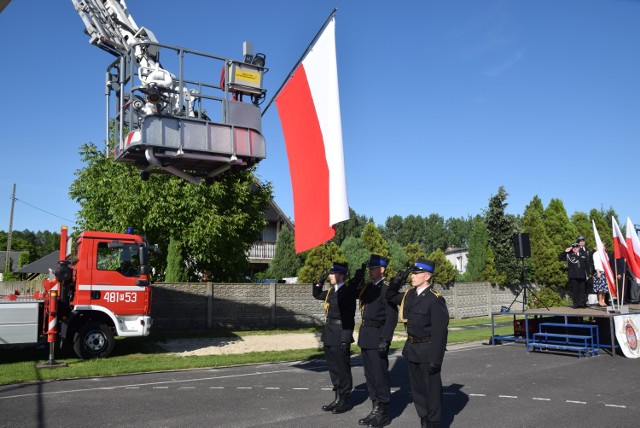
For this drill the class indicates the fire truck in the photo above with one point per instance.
(100, 289)
(199, 123)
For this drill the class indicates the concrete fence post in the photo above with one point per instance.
(272, 302)
(209, 305)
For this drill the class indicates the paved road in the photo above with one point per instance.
(485, 386)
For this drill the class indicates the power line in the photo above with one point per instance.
(45, 211)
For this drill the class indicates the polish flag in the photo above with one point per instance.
(633, 249)
(619, 244)
(309, 110)
(613, 290)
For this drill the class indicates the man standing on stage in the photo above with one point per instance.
(577, 271)
(379, 320)
(426, 317)
(337, 336)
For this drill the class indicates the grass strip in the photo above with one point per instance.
(143, 355)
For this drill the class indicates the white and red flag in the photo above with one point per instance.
(633, 249)
(309, 110)
(605, 262)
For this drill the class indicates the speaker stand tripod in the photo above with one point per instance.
(524, 286)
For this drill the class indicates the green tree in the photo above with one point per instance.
(434, 233)
(392, 228)
(352, 227)
(286, 262)
(217, 224)
(543, 266)
(373, 240)
(176, 266)
(413, 252)
(603, 224)
(397, 259)
(412, 230)
(478, 244)
(560, 230)
(354, 252)
(318, 261)
(584, 228)
(445, 272)
(501, 228)
(490, 273)
(458, 232)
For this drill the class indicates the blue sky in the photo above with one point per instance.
(442, 101)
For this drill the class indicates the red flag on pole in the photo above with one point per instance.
(309, 110)
(633, 249)
(613, 290)
(619, 243)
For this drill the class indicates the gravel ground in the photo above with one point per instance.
(244, 344)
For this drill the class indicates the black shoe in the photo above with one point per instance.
(329, 407)
(381, 418)
(343, 405)
(365, 421)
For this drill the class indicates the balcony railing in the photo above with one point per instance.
(262, 251)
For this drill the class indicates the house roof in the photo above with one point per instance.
(50, 261)
(15, 257)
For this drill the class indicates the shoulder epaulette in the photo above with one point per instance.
(435, 292)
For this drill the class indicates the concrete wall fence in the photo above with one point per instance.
(206, 306)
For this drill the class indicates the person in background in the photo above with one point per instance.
(426, 318)
(337, 335)
(600, 286)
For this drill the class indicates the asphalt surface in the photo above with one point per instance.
(485, 386)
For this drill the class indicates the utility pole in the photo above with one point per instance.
(7, 266)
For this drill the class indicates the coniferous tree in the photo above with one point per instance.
(543, 267)
(581, 222)
(603, 224)
(397, 259)
(490, 273)
(318, 261)
(412, 230)
(373, 241)
(478, 243)
(560, 230)
(176, 266)
(501, 228)
(285, 261)
(354, 252)
(445, 272)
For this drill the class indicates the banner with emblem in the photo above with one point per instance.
(627, 334)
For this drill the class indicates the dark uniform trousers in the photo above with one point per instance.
(379, 319)
(338, 329)
(426, 319)
(577, 271)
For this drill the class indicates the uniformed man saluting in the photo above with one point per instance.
(379, 320)
(425, 316)
(337, 336)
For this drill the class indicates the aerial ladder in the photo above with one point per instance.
(174, 123)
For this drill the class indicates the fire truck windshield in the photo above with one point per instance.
(124, 259)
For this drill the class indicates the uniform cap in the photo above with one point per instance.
(423, 265)
(339, 267)
(376, 261)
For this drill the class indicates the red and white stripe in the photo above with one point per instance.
(633, 249)
(605, 262)
(309, 110)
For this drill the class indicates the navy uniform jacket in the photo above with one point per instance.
(577, 264)
(425, 315)
(342, 306)
(375, 309)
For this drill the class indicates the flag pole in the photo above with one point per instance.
(304, 54)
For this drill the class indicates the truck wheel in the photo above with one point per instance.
(93, 340)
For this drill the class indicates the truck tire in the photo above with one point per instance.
(93, 340)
